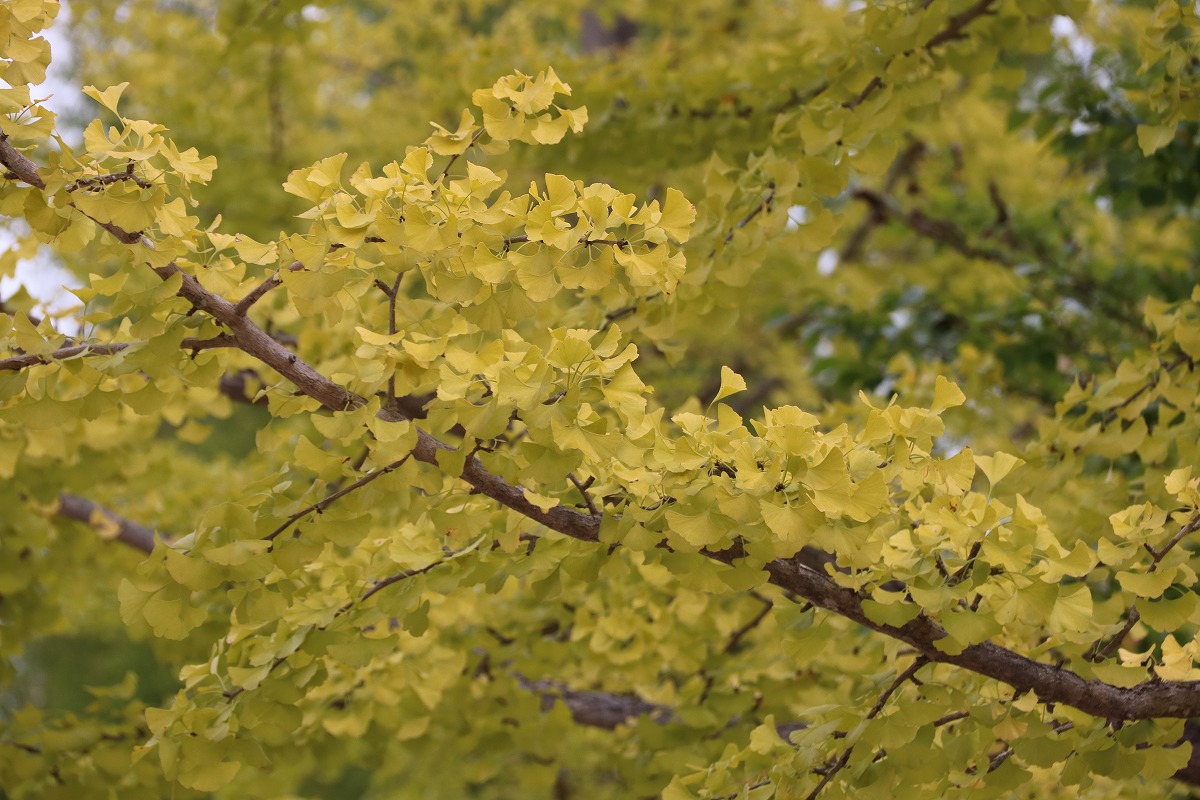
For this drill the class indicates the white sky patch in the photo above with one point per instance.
(1082, 48)
(314, 13)
(901, 318)
(827, 262)
(796, 216)
(42, 276)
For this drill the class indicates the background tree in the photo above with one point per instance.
(801, 403)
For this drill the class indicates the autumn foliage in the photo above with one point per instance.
(770, 399)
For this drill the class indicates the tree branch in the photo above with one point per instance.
(1052, 684)
(107, 523)
(20, 362)
(844, 758)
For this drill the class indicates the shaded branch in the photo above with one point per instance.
(596, 709)
(107, 523)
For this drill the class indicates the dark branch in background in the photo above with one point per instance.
(940, 230)
(736, 639)
(903, 166)
(101, 519)
(595, 709)
(236, 386)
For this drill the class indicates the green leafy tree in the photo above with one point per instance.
(771, 399)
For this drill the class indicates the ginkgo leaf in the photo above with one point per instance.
(731, 383)
(110, 97)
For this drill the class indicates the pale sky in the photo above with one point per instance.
(42, 276)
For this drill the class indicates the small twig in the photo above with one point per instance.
(583, 490)
(383, 583)
(256, 294)
(232, 693)
(332, 497)
(456, 156)
(961, 572)
(958, 22)
(100, 181)
(1133, 615)
(868, 90)
(392, 295)
(1007, 752)
(763, 205)
(1145, 387)
(736, 638)
(1131, 619)
(953, 716)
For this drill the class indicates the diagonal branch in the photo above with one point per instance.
(333, 497)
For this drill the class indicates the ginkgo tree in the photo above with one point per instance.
(770, 399)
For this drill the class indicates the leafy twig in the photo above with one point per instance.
(333, 497)
(1133, 615)
(456, 156)
(844, 758)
